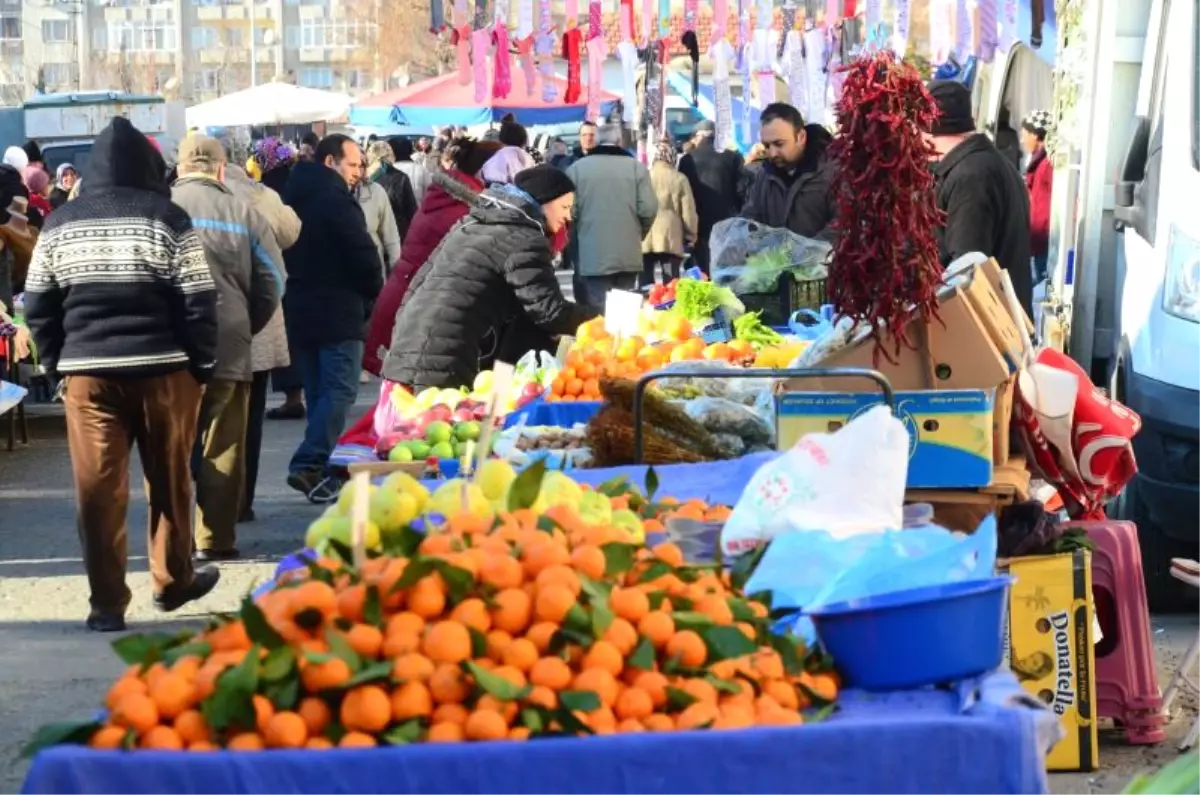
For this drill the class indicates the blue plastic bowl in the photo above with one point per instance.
(916, 637)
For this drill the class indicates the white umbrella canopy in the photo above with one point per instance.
(269, 103)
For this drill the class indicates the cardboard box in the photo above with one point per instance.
(950, 431)
(1002, 421)
(983, 287)
(1050, 648)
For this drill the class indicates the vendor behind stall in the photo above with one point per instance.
(793, 188)
(494, 264)
(984, 197)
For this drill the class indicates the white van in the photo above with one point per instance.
(1156, 364)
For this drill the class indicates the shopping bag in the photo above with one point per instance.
(843, 483)
(10, 395)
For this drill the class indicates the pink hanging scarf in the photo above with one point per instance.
(502, 76)
(572, 43)
(480, 41)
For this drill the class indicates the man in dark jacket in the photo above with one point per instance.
(793, 190)
(716, 180)
(334, 274)
(132, 323)
(246, 266)
(984, 197)
(493, 267)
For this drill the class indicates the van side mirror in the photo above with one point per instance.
(1130, 197)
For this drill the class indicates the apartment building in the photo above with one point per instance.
(191, 49)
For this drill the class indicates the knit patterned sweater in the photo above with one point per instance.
(119, 286)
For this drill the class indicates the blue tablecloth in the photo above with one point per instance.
(562, 415)
(920, 742)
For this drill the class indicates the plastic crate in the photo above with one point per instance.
(777, 307)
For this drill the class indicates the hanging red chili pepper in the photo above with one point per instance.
(886, 264)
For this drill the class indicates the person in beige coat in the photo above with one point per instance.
(675, 225)
(269, 347)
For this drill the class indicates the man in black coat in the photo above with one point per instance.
(984, 197)
(793, 189)
(333, 276)
(716, 180)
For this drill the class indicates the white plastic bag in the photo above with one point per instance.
(10, 395)
(844, 483)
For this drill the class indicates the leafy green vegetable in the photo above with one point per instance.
(696, 299)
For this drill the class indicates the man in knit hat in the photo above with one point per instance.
(493, 268)
(984, 197)
(1039, 179)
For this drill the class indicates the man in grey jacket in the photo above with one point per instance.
(245, 262)
(615, 207)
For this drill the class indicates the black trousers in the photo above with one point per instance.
(670, 267)
(254, 432)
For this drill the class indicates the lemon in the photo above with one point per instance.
(557, 489)
(494, 478)
(630, 521)
(345, 500)
(448, 499)
(392, 510)
(404, 483)
(595, 508)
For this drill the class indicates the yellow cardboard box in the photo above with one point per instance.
(1050, 648)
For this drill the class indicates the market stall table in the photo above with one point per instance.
(921, 741)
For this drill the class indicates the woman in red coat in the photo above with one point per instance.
(1039, 179)
(451, 194)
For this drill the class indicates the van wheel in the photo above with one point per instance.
(1164, 593)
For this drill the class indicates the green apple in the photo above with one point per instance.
(420, 450)
(467, 431)
(438, 431)
(400, 453)
(442, 450)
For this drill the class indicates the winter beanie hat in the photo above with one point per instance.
(544, 183)
(1038, 122)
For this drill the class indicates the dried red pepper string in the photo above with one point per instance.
(886, 264)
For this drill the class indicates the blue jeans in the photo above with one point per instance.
(330, 375)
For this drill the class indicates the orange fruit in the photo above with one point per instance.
(600, 682)
(448, 685)
(622, 635)
(604, 655)
(700, 690)
(427, 598)
(449, 713)
(108, 737)
(553, 603)
(783, 692)
(172, 694)
(653, 684)
(316, 714)
(589, 561)
(357, 740)
(629, 604)
(448, 642)
(315, 595)
(574, 387)
(559, 574)
(397, 644)
(472, 613)
(501, 572)
(318, 744)
(658, 627)
(542, 696)
(521, 654)
(203, 746)
(669, 552)
(825, 685)
(161, 738)
(285, 730)
(352, 601)
(551, 672)
(123, 686)
(716, 608)
(484, 724)
(410, 700)
(633, 703)
(365, 639)
(406, 623)
(246, 741)
(512, 608)
(734, 716)
(332, 673)
(659, 722)
(366, 708)
(192, 727)
(519, 733)
(412, 666)
(135, 711)
(497, 642)
(445, 733)
(541, 633)
(697, 715)
(688, 647)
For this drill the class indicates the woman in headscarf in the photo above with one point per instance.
(395, 183)
(38, 182)
(65, 177)
(381, 222)
(415, 166)
(676, 225)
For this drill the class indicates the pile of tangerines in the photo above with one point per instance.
(490, 629)
(596, 354)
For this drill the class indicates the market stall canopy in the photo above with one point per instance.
(269, 103)
(443, 100)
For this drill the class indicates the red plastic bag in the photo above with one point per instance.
(1078, 440)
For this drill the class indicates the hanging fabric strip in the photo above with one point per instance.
(480, 21)
(480, 41)
(787, 25)
(766, 88)
(833, 12)
(664, 19)
(502, 68)
(814, 65)
(625, 20)
(743, 32)
(747, 84)
(524, 19)
(900, 27)
(437, 16)
(528, 64)
(572, 45)
(720, 22)
(962, 31)
(645, 33)
(595, 20)
(941, 30)
(664, 56)
(797, 75)
(764, 15)
(873, 17)
(597, 51)
(691, 12)
(627, 52)
(461, 39)
(849, 9)
(988, 34)
(722, 57)
(1008, 24)
(652, 106)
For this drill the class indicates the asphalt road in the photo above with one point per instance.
(54, 669)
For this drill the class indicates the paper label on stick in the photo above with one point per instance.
(502, 380)
(621, 312)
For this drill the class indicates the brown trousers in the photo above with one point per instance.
(220, 474)
(105, 416)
